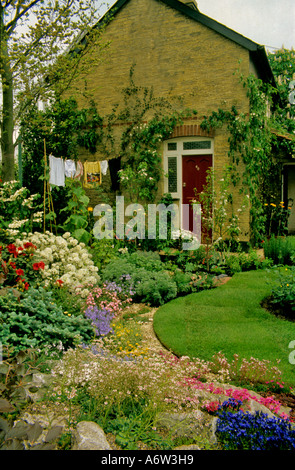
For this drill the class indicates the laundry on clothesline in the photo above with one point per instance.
(70, 168)
(79, 170)
(104, 166)
(57, 171)
(92, 174)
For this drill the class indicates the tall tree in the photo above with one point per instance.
(37, 57)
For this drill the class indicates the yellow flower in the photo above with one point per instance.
(90, 209)
(272, 204)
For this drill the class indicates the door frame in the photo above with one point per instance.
(182, 149)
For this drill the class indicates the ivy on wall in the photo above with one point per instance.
(253, 142)
(147, 121)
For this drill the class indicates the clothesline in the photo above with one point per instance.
(61, 169)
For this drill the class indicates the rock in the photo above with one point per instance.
(220, 280)
(89, 436)
(188, 447)
(197, 425)
(36, 389)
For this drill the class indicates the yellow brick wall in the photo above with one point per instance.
(176, 56)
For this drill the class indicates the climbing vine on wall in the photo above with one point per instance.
(147, 121)
(253, 142)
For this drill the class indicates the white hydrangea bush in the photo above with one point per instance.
(65, 259)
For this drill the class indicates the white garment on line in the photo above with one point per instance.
(104, 167)
(70, 168)
(57, 171)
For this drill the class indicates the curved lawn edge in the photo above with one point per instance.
(229, 319)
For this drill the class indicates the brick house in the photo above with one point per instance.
(179, 52)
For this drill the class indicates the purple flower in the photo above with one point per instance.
(100, 320)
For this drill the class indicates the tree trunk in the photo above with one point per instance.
(7, 122)
(7, 127)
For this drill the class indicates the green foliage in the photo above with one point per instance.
(78, 218)
(16, 371)
(279, 249)
(282, 298)
(148, 120)
(183, 282)
(150, 282)
(282, 63)
(277, 216)
(61, 129)
(239, 262)
(64, 128)
(35, 321)
(220, 218)
(252, 142)
(103, 252)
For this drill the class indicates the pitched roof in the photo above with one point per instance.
(257, 52)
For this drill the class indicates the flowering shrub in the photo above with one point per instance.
(243, 370)
(18, 209)
(110, 378)
(104, 304)
(65, 260)
(238, 430)
(18, 268)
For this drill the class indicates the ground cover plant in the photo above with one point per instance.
(239, 430)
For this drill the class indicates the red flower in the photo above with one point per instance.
(29, 245)
(12, 249)
(12, 264)
(26, 286)
(37, 266)
(60, 282)
(19, 272)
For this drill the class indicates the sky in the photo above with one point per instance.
(270, 23)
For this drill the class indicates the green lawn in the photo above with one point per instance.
(228, 319)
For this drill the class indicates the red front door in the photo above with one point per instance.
(194, 173)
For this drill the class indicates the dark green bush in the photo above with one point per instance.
(35, 321)
(183, 282)
(145, 273)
